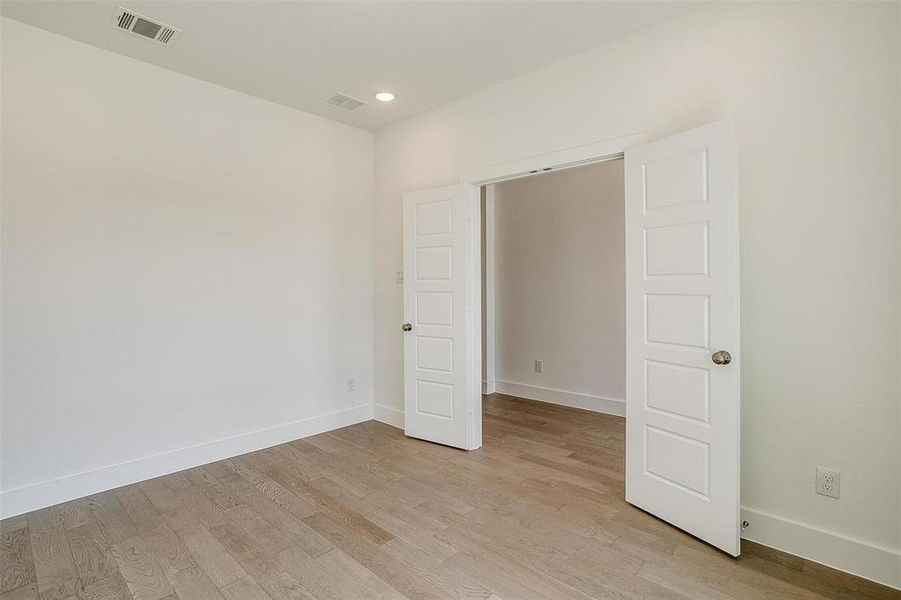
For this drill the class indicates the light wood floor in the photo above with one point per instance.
(364, 512)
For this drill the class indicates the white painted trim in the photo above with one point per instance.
(857, 557)
(47, 493)
(389, 416)
(600, 404)
(488, 293)
(567, 158)
(474, 318)
(489, 387)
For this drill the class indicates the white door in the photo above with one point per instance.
(682, 283)
(442, 316)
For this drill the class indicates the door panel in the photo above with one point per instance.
(678, 390)
(442, 287)
(682, 278)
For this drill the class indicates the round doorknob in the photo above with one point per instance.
(407, 327)
(721, 357)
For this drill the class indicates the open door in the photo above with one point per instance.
(442, 316)
(682, 333)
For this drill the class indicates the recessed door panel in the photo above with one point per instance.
(677, 250)
(434, 218)
(435, 353)
(678, 390)
(677, 320)
(677, 181)
(435, 308)
(435, 399)
(435, 262)
(678, 460)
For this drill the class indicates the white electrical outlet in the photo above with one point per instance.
(828, 482)
(351, 384)
(399, 277)
(539, 366)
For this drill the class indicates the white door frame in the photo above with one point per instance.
(489, 378)
(596, 152)
(577, 156)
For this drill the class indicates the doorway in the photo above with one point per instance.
(682, 320)
(553, 288)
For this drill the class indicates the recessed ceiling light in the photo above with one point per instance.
(384, 96)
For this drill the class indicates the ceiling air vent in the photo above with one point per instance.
(344, 102)
(135, 24)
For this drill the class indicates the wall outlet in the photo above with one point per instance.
(351, 384)
(828, 482)
(539, 366)
(399, 277)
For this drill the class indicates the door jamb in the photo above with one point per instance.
(489, 379)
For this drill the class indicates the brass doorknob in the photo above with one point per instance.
(407, 327)
(721, 357)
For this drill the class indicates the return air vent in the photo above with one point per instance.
(344, 102)
(145, 27)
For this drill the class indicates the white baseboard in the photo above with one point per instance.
(389, 416)
(47, 493)
(489, 387)
(859, 558)
(610, 406)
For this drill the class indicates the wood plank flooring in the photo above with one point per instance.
(363, 512)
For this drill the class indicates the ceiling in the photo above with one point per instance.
(299, 53)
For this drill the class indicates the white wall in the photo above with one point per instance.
(813, 88)
(182, 267)
(560, 286)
